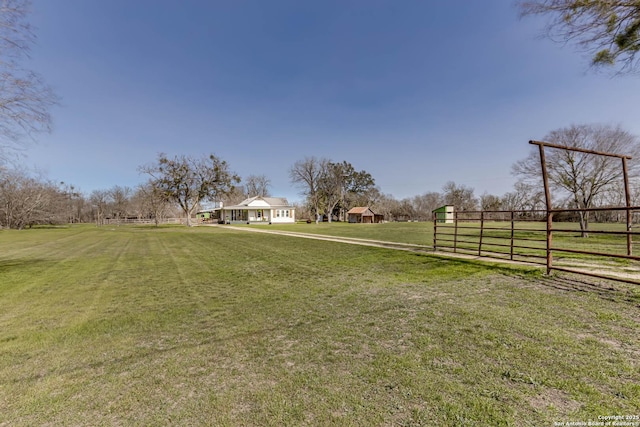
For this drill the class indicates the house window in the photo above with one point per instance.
(287, 213)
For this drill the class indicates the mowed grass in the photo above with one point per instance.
(213, 326)
(496, 238)
(421, 233)
(416, 233)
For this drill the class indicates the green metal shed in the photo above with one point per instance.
(444, 214)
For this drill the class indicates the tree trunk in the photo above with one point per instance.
(189, 211)
(584, 224)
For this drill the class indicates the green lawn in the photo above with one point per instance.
(213, 326)
(417, 233)
(532, 234)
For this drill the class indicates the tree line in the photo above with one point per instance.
(181, 185)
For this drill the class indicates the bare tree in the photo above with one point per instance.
(404, 210)
(524, 197)
(608, 30)
(307, 174)
(27, 201)
(387, 205)
(460, 196)
(234, 197)
(490, 202)
(71, 202)
(188, 181)
(151, 202)
(425, 204)
(257, 185)
(582, 177)
(302, 211)
(332, 187)
(99, 200)
(25, 99)
(120, 198)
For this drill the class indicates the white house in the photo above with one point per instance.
(269, 210)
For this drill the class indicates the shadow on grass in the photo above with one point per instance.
(48, 227)
(607, 289)
(603, 288)
(10, 264)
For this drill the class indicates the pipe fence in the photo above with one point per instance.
(553, 238)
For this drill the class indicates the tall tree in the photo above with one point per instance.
(26, 200)
(151, 202)
(307, 175)
(490, 202)
(188, 180)
(360, 187)
(425, 204)
(332, 186)
(25, 99)
(234, 197)
(120, 199)
(460, 196)
(71, 202)
(609, 30)
(99, 200)
(257, 185)
(524, 197)
(581, 176)
(387, 206)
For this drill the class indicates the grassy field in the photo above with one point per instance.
(417, 233)
(213, 326)
(497, 234)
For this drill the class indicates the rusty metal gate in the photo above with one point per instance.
(550, 237)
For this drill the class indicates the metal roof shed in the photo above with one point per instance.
(364, 215)
(444, 214)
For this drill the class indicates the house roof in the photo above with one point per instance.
(272, 202)
(360, 210)
(443, 208)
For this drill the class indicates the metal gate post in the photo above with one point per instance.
(435, 231)
(455, 231)
(512, 234)
(481, 233)
(549, 241)
(627, 196)
(547, 197)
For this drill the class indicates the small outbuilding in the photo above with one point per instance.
(444, 214)
(204, 216)
(363, 215)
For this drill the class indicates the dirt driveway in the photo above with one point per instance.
(622, 273)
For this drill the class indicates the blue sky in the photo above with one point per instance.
(417, 93)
